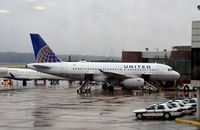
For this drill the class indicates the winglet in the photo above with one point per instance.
(42, 51)
(101, 70)
(12, 76)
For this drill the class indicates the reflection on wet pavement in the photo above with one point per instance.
(62, 108)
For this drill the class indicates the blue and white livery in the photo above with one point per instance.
(127, 75)
(42, 51)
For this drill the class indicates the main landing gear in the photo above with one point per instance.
(54, 82)
(108, 87)
(24, 83)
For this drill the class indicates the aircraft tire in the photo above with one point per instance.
(104, 87)
(111, 88)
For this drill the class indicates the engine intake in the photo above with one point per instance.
(133, 83)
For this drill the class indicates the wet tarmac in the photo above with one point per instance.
(60, 108)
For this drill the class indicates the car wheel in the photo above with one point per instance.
(139, 116)
(186, 88)
(167, 116)
(194, 88)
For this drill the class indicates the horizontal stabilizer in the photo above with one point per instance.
(41, 67)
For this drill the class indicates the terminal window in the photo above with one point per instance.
(195, 64)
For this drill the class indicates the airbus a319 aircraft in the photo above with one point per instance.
(127, 75)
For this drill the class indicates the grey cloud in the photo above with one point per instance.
(97, 26)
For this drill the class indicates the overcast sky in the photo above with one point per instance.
(95, 27)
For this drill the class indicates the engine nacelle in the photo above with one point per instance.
(133, 83)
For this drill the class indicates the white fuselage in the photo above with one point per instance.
(78, 70)
(26, 74)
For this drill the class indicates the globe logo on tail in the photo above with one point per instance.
(46, 55)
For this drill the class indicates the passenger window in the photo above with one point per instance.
(161, 107)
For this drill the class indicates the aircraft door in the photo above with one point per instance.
(63, 69)
(160, 74)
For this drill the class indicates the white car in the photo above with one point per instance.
(186, 109)
(191, 102)
(164, 110)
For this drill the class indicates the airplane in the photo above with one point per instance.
(126, 75)
(25, 75)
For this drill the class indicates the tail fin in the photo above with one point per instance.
(42, 51)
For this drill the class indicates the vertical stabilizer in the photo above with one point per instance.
(42, 51)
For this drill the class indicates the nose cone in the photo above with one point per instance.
(176, 75)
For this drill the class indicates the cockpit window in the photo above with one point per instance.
(170, 69)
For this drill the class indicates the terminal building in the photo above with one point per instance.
(179, 59)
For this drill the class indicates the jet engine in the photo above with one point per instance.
(133, 83)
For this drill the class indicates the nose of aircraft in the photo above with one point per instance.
(176, 75)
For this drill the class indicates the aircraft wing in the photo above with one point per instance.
(117, 75)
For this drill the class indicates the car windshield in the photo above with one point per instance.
(174, 105)
(181, 104)
(152, 107)
(169, 106)
(184, 102)
(192, 101)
